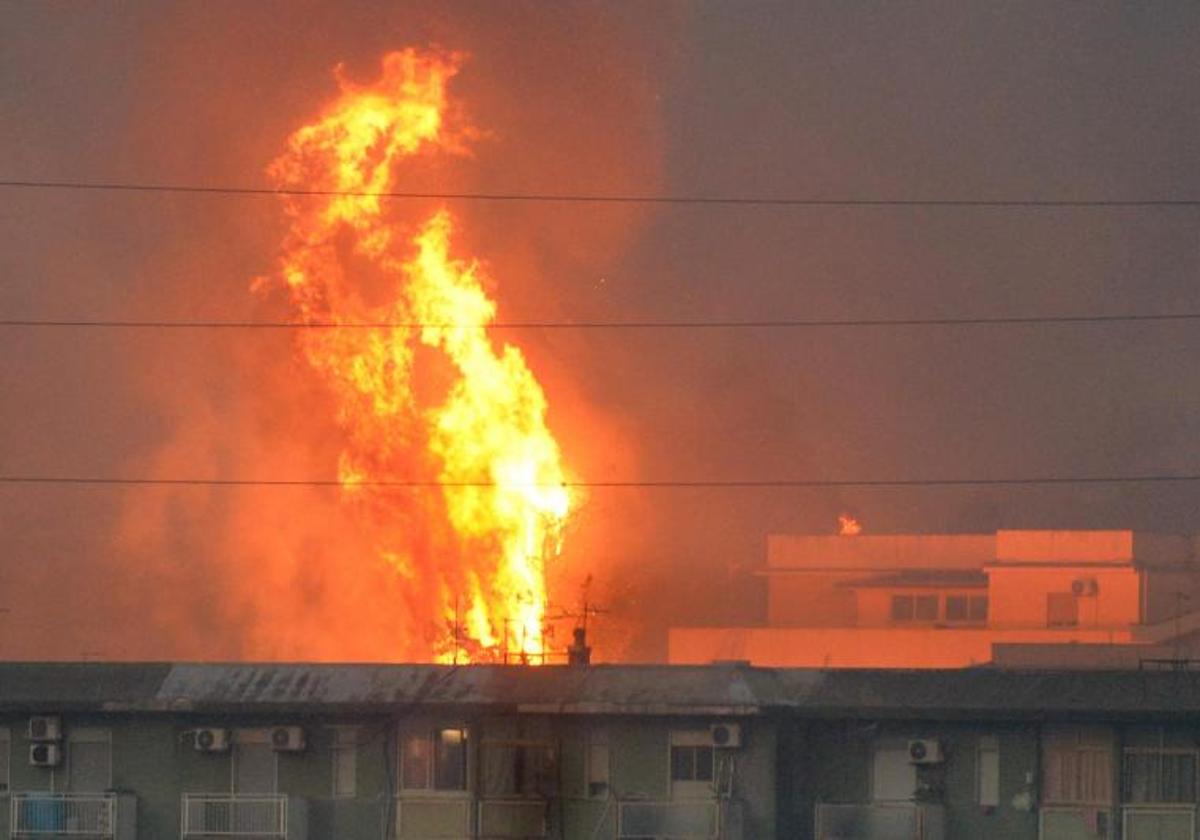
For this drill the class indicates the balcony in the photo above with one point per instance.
(97, 815)
(669, 819)
(523, 818)
(273, 816)
(447, 817)
(880, 821)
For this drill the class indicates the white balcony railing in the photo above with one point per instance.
(879, 821)
(63, 814)
(669, 819)
(226, 815)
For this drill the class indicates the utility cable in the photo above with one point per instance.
(784, 323)
(600, 198)
(630, 484)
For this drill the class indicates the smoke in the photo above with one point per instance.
(774, 99)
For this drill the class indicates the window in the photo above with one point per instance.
(5, 748)
(345, 761)
(977, 608)
(1062, 610)
(597, 768)
(518, 769)
(1158, 775)
(1078, 768)
(926, 607)
(987, 771)
(434, 760)
(967, 608)
(902, 608)
(693, 764)
(89, 760)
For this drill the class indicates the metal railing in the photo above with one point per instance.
(226, 815)
(678, 819)
(63, 814)
(878, 821)
(524, 818)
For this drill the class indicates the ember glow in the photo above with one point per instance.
(427, 397)
(848, 526)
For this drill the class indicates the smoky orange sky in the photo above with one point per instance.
(820, 100)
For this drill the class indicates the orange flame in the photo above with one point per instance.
(472, 553)
(848, 526)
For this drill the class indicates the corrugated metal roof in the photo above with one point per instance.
(601, 689)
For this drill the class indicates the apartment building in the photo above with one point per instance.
(1028, 598)
(353, 752)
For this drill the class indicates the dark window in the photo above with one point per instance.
(518, 769)
(1158, 776)
(691, 764)
(926, 608)
(979, 608)
(902, 608)
(956, 608)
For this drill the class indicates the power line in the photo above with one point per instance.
(1017, 320)
(596, 198)
(631, 484)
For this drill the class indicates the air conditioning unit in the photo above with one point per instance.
(726, 735)
(45, 728)
(287, 738)
(212, 740)
(45, 755)
(925, 751)
(1084, 587)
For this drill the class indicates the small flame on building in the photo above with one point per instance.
(848, 526)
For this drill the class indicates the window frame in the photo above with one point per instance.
(344, 739)
(430, 734)
(987, 746)
(85, 735)
(1079, 743)
(6, 753)
(1159, 752)
(598, 739)
(691, 788)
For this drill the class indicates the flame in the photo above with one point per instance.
(848, 526)
(471, 542)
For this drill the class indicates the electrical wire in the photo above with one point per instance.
(731, 484)
(598, 198)
(813, 323)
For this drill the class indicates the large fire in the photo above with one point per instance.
(471, 539)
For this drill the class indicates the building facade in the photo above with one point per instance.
(952, 600)
(291, 752)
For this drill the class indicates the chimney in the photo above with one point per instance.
(579, 653)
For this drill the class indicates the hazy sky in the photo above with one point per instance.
(817, 100)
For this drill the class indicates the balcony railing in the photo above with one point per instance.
(669, 819)
(503, 818)
(441, 817)
(63, 814)
(224, 815)
(879, 821)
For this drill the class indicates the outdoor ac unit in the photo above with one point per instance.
(1084, 586)
(726, 735)
(925, 751)
(45, 728)
(287, 738)
(45, 755)
(212, 740)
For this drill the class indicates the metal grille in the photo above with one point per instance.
(234, 816)
(63, 814)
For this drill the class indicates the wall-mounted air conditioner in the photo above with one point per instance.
(287, 738)
(45, 755)
(212, 740)
(925, 751)
(45, 728)
(1084, 587)
(726, 735)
